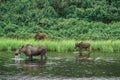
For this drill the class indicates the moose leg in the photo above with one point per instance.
(80, 52)
(41, 57)
(44, 54)
(45, 57)
(89, 52)
(30, 57)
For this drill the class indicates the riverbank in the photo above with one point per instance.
(60, 46)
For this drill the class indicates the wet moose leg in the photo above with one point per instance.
(80, 52)
(89, 52)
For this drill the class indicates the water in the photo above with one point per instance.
(17, 58)
(59, 66)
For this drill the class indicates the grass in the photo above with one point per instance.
(8, 44)
(60, 46)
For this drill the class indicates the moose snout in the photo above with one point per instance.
(16, 53)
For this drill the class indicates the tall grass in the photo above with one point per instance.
(106, 46)
(60, 46)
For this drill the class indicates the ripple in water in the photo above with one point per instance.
(17, 58)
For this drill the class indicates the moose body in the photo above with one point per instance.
(31, 51)
(82, 46)
(40, 36)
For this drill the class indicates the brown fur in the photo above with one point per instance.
(40, 36)
(31, 51)
(82, 46)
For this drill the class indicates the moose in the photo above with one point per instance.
(31, 51)
(83, 45)
(40, 36)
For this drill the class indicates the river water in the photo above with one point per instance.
(59, 67)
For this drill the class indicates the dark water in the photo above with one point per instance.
(59, 67)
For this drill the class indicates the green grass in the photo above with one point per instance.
(8, 44)
(106, 46)
(60, 46)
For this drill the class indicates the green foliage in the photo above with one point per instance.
(71, 28)
(60, 19)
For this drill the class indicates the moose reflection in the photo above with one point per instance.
(31, 51)
(34, 66)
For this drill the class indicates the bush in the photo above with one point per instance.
(60, 19)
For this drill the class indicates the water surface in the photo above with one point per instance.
(60, 66)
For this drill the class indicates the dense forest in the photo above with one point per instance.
(61, 19)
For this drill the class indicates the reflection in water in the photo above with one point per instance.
(107, 59)
(83, 59)
(34, 66)
(78, 69)
(17, 59)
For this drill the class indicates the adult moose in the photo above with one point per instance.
(83, 45)
(40, 36)
(31, 51)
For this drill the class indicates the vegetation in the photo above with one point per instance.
(65, 22)
(61, 19)
(61, 46)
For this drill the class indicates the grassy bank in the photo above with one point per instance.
(60, 46)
